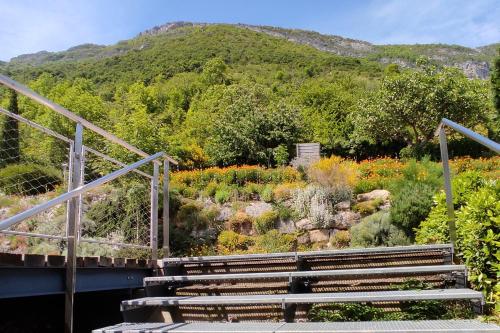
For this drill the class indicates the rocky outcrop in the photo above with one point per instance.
(319, 235)
(345, 220)
(256, 209)
(475, 69)
(383, 195)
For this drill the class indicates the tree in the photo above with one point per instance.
(9, 144)
(214, 71)
(495, 82)
(410, 105)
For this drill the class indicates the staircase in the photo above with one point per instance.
(275, 292)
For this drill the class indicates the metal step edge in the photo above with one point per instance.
(310, 298)
(441, 326)
(302, 274)
(368, 251)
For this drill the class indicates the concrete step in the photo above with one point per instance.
(440, 326)
(409, 270)
(307, 298)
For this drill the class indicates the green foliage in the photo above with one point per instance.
(344, 312)
(230, 242)
(377, 230)
(28, 179)
(267, 194)
(341, 239)
(411, 205)
(10, 152)
(222, 194)
(478, 229)
(409, 106)
(495, 82)
(280, 155)
(368, 207)
(214, 71)
(265, 222)
(273, 241)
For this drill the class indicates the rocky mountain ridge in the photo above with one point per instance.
(474, 62)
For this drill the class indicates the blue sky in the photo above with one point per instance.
(28, 26)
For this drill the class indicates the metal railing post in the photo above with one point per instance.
(443, 145)
(72, 223)
(166, 208)
(154, 212)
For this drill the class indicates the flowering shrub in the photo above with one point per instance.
(333, 171)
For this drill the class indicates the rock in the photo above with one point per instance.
(304, 239)
(225, 214)
(343, 206)
(256, 209)
(319, 235)
(286, 226)
(305, 224)
(345, 220)
(375, 194)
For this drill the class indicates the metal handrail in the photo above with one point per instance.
(70, 115)
(76, 192)
(35, 125)
(471, 135)
(443, 145)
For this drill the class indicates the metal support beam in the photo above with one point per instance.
(154, 212)
(72, 227)
(166, 208)
(443, 144)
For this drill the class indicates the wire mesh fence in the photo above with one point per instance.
(117, 214)
(35, 167)
(34, 164)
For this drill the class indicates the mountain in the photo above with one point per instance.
(475, 62)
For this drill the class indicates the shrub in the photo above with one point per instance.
(478, 230)
(240, 222)
(273, 241)
(210, 189)
(28, 179)
(377, 230)
(411, 205)
(368, 207)
(265, 222)
(341, 239)
(229, 242)
(189, 216)
(280, 155)
(344, 312)
(317, 203)
(251, 190)
(223, 195)
(333, 172)
(283, 192)
(267, 193)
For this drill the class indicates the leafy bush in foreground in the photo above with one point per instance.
(478, 230)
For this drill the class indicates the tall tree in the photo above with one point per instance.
(495, 82)
(409, 106)
(9, 144)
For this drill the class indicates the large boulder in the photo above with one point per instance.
(225, 214)
(375, 194)
(345, 220)
(256, 209)
(305, 224)
(286, 226)
(319, 235)
(343, 206)
(304, 238)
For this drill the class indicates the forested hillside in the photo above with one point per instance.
(222, 95)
